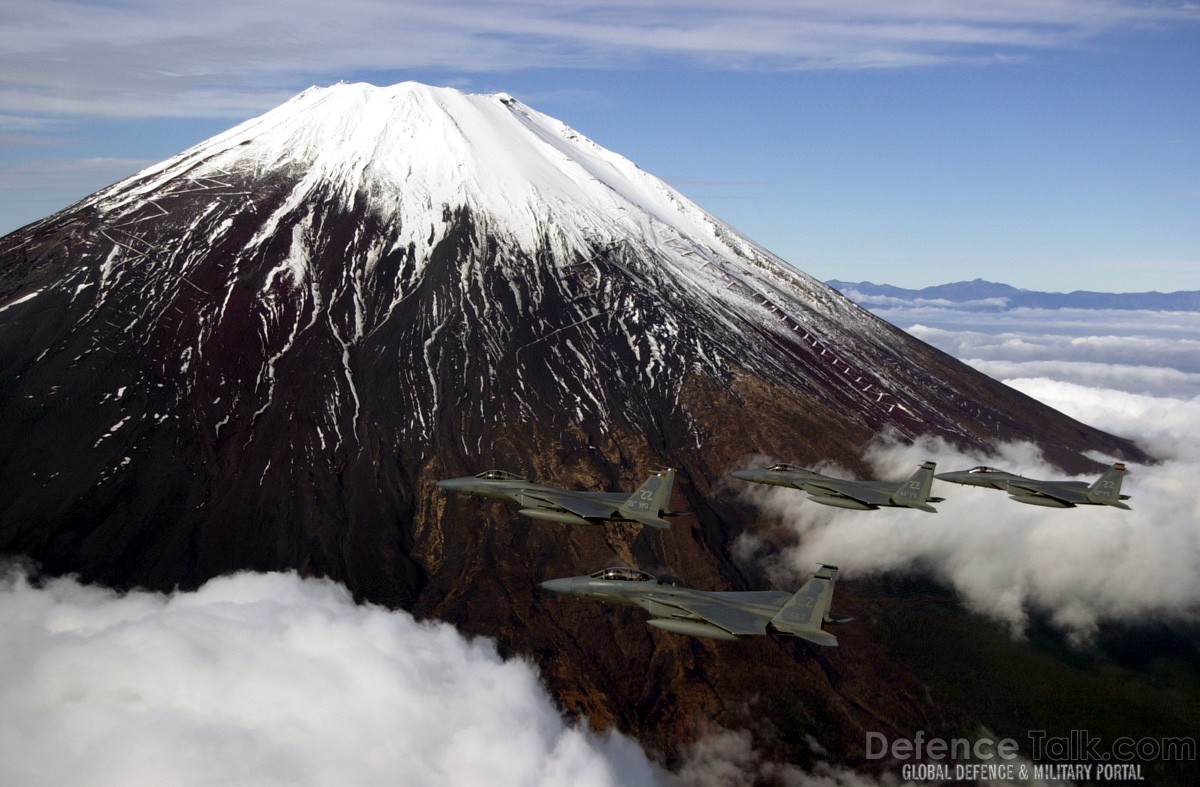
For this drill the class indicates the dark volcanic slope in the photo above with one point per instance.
(261, 353)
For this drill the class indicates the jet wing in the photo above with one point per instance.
(860, 492)
(736, 621)
(588, 508)
(1057, 491)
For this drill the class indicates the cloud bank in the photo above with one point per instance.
(1154, 353)
(273, 679)
(1080, 567)
(726, 758)
(270, 679)
(223, 58)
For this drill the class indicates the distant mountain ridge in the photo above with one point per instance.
(981, 294)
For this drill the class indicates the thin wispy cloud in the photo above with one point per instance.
(134, 58)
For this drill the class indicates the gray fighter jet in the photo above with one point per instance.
(647, 506)
(715, 614)
(1106, 490)
(858, 495)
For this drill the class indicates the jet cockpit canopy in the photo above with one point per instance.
(622, 574)
(500, 475)
(983, 469)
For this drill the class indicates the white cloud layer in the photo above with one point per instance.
(1148, 380)
(1081, 566)
(727, 758)
(224, 58)
(1153, 353)
(269, 679)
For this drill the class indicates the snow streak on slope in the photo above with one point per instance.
(295, 320)
(324, 219)
(262, 353)
(409, 150)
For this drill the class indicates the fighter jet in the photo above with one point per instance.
(647, 506)
(715, 614)
(858, 495)
(1106, 490)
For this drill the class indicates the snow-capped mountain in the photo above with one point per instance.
(262, 352)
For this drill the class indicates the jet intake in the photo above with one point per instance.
(546, 515)
(1036, 500)
(693, 628)
(841, 502)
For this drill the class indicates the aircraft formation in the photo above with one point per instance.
(738, 614)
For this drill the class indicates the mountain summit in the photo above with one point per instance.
(263, 352)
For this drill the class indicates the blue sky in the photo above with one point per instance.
(1050, 145)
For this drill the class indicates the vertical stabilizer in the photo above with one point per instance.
(1107, 488)
(652, 499)
(914, 492)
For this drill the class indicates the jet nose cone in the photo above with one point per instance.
(452, 484)
(564, 585)
(954, 477)
(757, 476)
